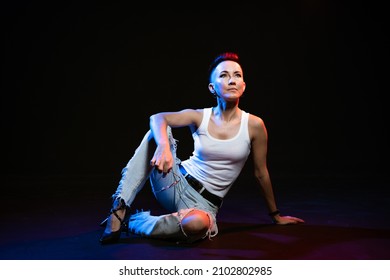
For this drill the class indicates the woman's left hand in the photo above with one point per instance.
(287, 220)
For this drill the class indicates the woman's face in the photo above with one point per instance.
(227, 81)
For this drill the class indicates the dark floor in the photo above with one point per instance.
(58, 219)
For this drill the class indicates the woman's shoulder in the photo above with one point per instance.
(193, 115)
(256, 127)
(255, 121)
(200, 112)
(194, 111)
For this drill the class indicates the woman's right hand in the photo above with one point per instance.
(162, 159)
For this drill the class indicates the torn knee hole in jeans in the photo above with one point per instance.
(184, 213)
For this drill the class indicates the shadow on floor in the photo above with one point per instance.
(342, 222)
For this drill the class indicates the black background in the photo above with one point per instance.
(79, 82)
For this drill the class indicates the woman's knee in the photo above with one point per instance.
(195, 223)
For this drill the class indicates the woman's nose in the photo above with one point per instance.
(232, 81)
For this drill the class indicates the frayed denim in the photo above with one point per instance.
(171, 190)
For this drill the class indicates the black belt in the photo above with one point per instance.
(214, 199)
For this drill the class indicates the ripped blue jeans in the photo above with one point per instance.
(171, 190)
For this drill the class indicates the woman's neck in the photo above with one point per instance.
(227, 113)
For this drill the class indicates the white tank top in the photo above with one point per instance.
(216, 163)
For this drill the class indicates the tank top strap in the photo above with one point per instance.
(206, 118)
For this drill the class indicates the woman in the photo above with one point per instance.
(192, 190)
